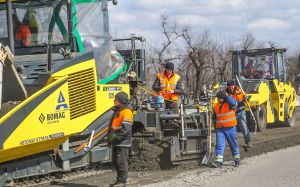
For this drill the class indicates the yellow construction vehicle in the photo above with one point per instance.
(54, 91)
(59, 77)
(262, 74)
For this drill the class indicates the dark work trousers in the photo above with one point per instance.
(172, 105)
(120, 157)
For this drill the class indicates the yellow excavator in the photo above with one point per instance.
(262, 74)
(59, 75)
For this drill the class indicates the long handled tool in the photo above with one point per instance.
(207, 156)
(248, 105)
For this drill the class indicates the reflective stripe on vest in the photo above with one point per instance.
(226, 117)
(170, 85)
(226, 120)
(225, 114)
(124, 116)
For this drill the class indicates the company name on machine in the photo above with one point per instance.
(112, 88)
(52, 117)
(55, 117)
(42, 138)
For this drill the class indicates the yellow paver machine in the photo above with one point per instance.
(59, 78)
(54, 92)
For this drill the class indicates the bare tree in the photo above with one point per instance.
(205, 60)
(186, 72)
(247, 41)
(170, 34)
(198, 53)
(166, 51)
(224, 61)
(292, 66)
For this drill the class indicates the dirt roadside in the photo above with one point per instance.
(155, 170)
(278, 168)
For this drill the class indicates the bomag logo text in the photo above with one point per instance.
(52, 118)
(55, 116)
(59, 114)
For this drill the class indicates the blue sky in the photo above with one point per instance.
(268, 20)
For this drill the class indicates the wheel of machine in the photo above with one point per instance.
(288, 121)
(261, 118)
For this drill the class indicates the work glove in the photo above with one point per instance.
(112, 137)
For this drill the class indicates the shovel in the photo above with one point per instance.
(207, 156)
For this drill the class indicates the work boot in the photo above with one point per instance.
(237, 163)
(216, 164)
(118, 184)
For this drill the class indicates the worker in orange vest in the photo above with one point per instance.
(119, 136)
(225, 125)
(168, 85)
(235, 91)
(22, 33)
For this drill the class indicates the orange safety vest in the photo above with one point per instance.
(124, 115)
(238, 95)
(225, 117)
(23, 34)
(170, 85)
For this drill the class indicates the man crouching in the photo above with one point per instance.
(119, 136)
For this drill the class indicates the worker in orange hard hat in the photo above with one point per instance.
(168, 85)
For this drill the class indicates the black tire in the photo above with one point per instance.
(288, 121)
(261, 118)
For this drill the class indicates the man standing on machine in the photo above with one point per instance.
(119, 136)
(234, 91)
(225, 122)
(168, 85)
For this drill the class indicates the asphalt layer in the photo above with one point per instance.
(279, 168)
(155, 169)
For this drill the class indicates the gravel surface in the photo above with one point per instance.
(149, 158)
(152, 165)
(279, 168)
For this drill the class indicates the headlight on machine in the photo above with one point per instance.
(254, 102)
